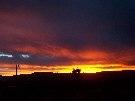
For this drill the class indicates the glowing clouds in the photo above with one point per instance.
(6, 55)
(25, 56)
(67, 33)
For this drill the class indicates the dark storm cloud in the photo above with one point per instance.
(75, 25)
(107, 25)
(47, 60)
(41, 60)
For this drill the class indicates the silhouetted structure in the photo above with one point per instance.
(76, 74)
(17, 66)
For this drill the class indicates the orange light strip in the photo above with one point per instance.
(28, 69)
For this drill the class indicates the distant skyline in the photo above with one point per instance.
(58, 35)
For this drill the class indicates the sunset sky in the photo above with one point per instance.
(58, 35)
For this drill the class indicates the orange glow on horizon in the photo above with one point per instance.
(9, 70)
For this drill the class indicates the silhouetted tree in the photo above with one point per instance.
(76, 74)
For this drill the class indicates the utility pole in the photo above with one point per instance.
(17, 66)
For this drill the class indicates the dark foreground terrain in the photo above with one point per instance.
(96, 87)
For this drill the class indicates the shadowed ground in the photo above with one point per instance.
(98, 89)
